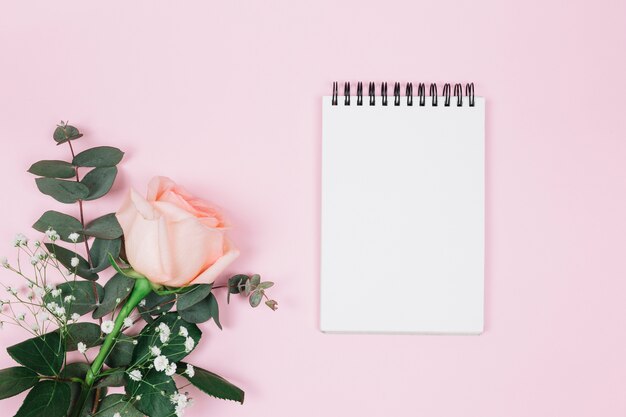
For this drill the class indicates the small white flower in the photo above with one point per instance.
(49, 287)
(135, 375)
(34, 260)
(181, 402)
(155, 351)
(171, 369)
(183, 331)
(60, 312)
(52, 306)
(118, 300)
(82, 348)
(189, 344)
(75, 317)
(52, 234)
(11, 290)
(74, 262)
(38, 291)
(43, 316)
(20, 240)
(160, 363)
(107, 326)
(117, 415)
(34, 327)
(135, 341)
(73, 237)
(5, 262)
(37, 243)
(56, 292)
(138, 398)
(164, 332)
(128, 322)
(42, 256)
(190, 371)
(69, 298)
(142, 303)
(21, 316)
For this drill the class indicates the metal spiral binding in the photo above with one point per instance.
(421, 92)
(446, 94)
(397, 98)
(383, 93)
(433, 94)
(409, 94)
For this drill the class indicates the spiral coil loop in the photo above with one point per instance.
(397, 97)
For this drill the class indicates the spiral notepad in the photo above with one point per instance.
(403, 210)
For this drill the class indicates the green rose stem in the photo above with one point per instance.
(140, 291)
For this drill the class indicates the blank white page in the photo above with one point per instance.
(402, 217)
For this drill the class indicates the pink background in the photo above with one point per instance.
(224, 97)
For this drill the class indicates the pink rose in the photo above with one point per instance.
(173, 238)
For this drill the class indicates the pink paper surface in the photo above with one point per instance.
(224, 97)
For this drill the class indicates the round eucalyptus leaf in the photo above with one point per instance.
(77, 297)
(117, 405)
(64, 256)
(101, 156)
(62, 223)
(118, 287)
(104, 227)
(100, 250)
(193, 295)
(99, 181)
(15, 380)
(64, 191)
(47, 398)
(53, 169)
(122, 352)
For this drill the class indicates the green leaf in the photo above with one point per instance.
(64, 256)
(155, 389)
(47, 398)
(265, 285)
(255, 280)
(174, 350)
(202, 311)
(156, 305)
(75, 370)
(98, 157)
(99, 181)
(118, 287)
(78, 370)
(195, 294)
(122, 352)
(88, 333)
(62, 223)
(65, 132)
(212, 384)
(63, 191)
(15, 380)
(256, 298)
(117, 403)
(53, 169)
(42, 354)
(215, 310)
(83, 292)
(100, 250)
(272, 304)
(105, 227)
(197, 313)
(234, 284)
(114, 379)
